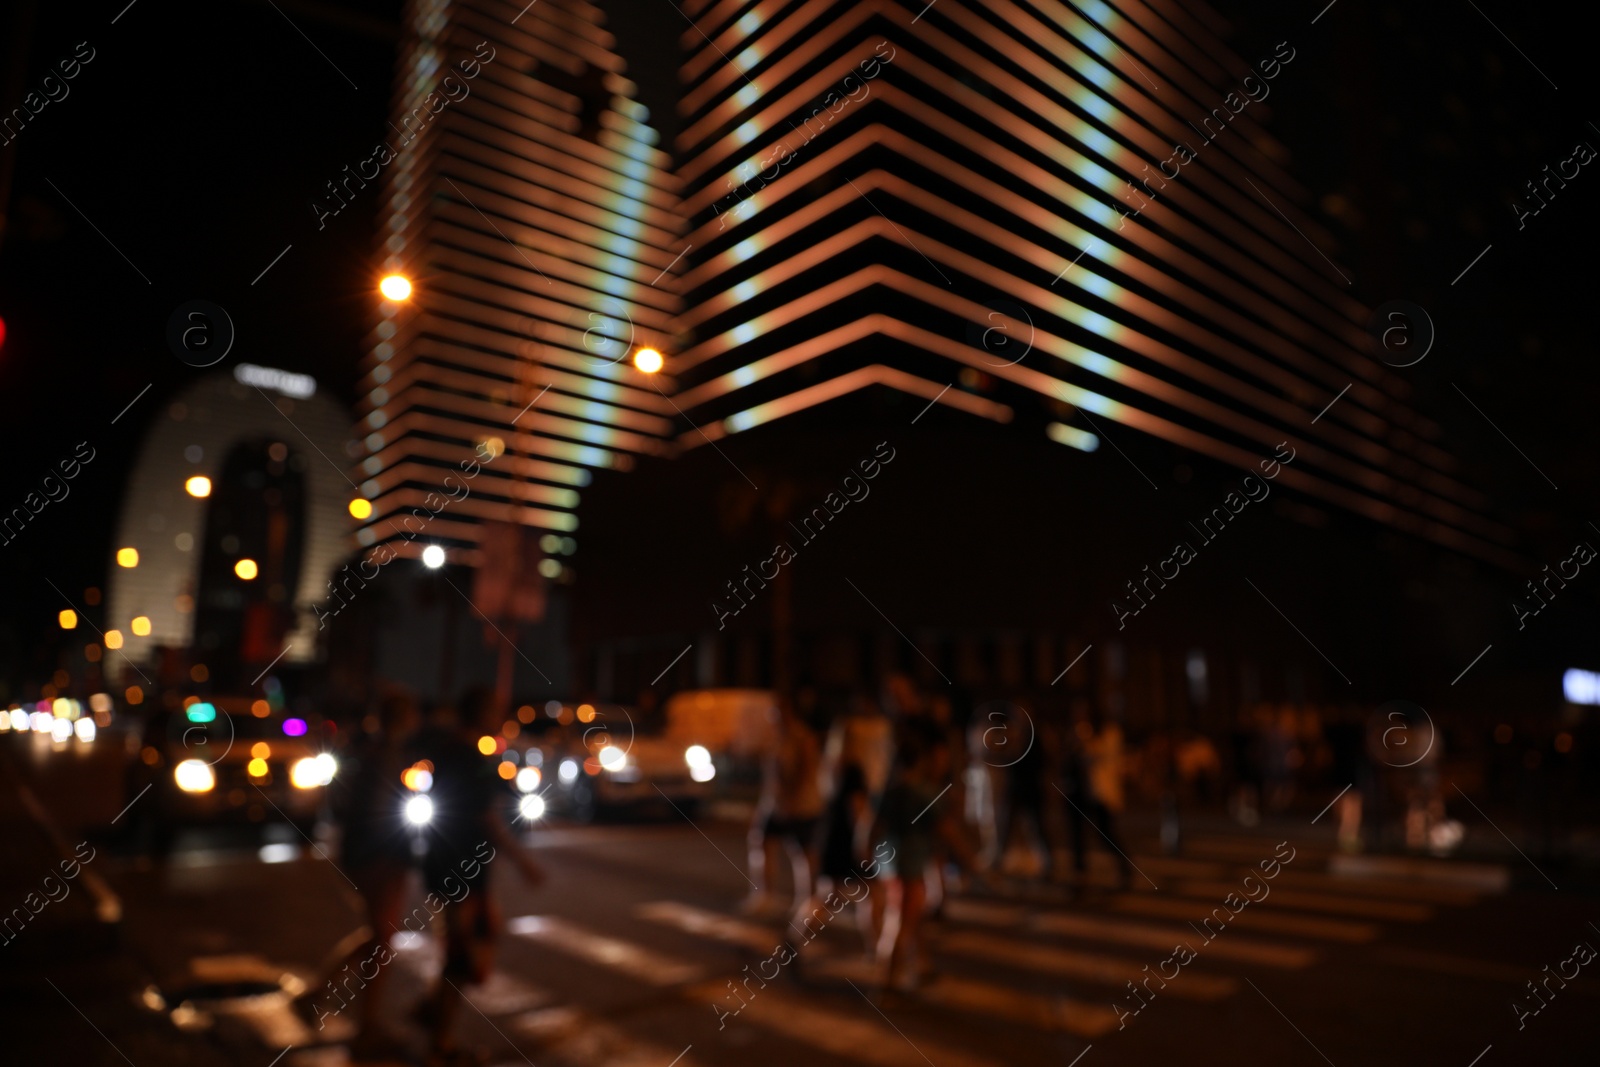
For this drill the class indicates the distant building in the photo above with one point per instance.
(237, 522)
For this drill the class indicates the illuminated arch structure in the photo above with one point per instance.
(219, 423)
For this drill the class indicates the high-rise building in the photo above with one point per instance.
(1065, 222)
(1069, 217)
(536, 216)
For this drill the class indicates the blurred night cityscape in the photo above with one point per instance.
(680, 533)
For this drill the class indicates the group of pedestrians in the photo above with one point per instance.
(914, 788)
(468, 831)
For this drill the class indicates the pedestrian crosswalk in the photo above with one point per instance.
(1003, 959)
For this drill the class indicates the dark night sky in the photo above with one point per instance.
(197, 136)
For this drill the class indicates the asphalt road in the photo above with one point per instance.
(626, 955)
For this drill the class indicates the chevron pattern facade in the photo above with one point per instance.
(531, 205)
(1067, 217)
(909, 195)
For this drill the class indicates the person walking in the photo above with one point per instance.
(1024, 792)
(468, 831)
(790, 812)
(1100, 789)
(375, 852)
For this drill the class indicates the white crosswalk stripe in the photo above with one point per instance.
(985, 1000)
(1121, 931)
(1252, 918)
(640, 963)
(1304, 900)
(1024, 956)
(575, 1036)
(703, 923)
(1085, 966)
(863, 1036)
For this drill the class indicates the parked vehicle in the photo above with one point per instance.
(230, 760)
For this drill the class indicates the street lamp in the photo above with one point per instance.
(433, 557)
(648, 360)
(246, 569)
(396, 287)
(198, 486)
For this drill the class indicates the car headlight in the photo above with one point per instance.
(419, 810)
(531, 806)
(328, 766)
(85, 729)
(308, 773)
(528, 779)
(194, 776)
(613, 758)
(568, 771)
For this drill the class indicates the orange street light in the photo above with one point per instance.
(396, 287)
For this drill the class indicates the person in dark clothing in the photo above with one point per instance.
(1095, 796)
(375, 853)
(468, 831)
(1024, 785)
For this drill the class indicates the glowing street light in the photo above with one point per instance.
(361, 508)
(395, 287)
(433, 557)
(198, 486)
(68, 619)
(127, 557)
(140, 626)
(246, 569)
(113, 639)
(648, 360)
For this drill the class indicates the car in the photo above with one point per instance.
(595, 757)
(231, 760)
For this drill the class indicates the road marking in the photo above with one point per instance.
(638, 962)
(1300, 926)
(1336, 882)
(1119, 931)
(1393, 911)
(1086, 966)
(1028, 1009)
(702, 923)
(857, 1037)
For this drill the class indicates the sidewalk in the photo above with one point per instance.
(68, 985)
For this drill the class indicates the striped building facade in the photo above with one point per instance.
(1068, 218)
(530, 205)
